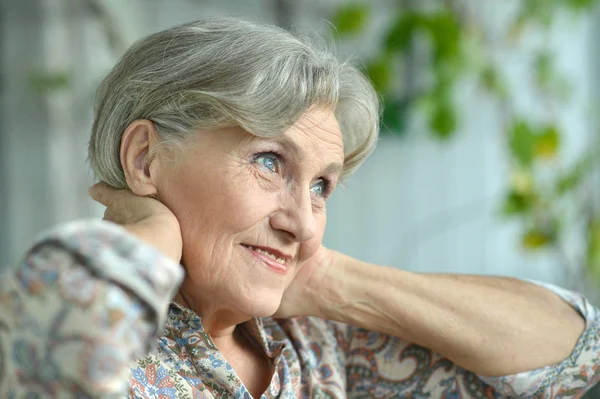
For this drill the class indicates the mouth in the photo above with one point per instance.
(272, 253)
(273, 259)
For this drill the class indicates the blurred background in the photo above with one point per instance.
(488, 160)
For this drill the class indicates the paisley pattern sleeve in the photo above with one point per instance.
(383, 366)
(379, 365)
(84, 303)
(570, 378)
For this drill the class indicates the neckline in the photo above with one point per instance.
(252, 328)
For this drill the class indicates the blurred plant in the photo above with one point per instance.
(45, 81)
(450, 44)
(50, 81)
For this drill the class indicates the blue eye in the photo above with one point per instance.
(268, 160)
(321, 188)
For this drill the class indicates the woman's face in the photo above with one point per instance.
(251, 209)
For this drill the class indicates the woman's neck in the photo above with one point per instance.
(218, 322)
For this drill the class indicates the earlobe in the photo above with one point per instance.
(136, 144)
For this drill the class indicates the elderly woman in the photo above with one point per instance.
(218, 143)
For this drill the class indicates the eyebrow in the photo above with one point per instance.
(292, 146)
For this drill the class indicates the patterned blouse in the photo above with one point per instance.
(87, 314)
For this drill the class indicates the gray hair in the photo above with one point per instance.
(227, 71)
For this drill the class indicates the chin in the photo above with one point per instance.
(263, 304)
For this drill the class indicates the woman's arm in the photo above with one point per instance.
(491, 326)
(86, 301)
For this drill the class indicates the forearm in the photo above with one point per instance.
(86, 293)
(491, 326)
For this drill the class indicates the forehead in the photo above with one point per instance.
(314, 136)
(317, 131)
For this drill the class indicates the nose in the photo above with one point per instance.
(296, 217)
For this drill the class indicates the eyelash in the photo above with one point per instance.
(327, 187)
(278, 158)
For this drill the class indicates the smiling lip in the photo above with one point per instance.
(280, 268)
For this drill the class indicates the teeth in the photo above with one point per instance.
(270, 255)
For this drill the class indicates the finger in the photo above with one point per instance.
(97, 193)
(102, 193)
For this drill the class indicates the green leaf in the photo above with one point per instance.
(399, 37)
(443, 121)
(547, 143)
(522, 141)
(445, 33)
(535, 239)
(394, 115)
(380, 73)
(446, 73)
(43, 82)
(350, 19)
(541, 235)
(516, 203)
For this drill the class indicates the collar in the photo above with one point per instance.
(182, 319)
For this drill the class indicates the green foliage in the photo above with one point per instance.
(517, 203)
(547, 143)
(445, 32)
(399, 36)
(443, 119)
(44, 82)
(537, 238)
(380, 73)
(350, 19)
(522, 141)
(539, 185)
(442, 29)
(395, 114)
(528, 144)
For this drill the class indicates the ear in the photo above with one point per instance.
(136, 143)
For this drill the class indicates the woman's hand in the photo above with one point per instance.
(144, 217)
(306, 296)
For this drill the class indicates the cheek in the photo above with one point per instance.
(310, 247)
(209, 208)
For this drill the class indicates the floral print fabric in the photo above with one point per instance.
(87, 314)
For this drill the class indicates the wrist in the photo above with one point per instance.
(331, 294)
